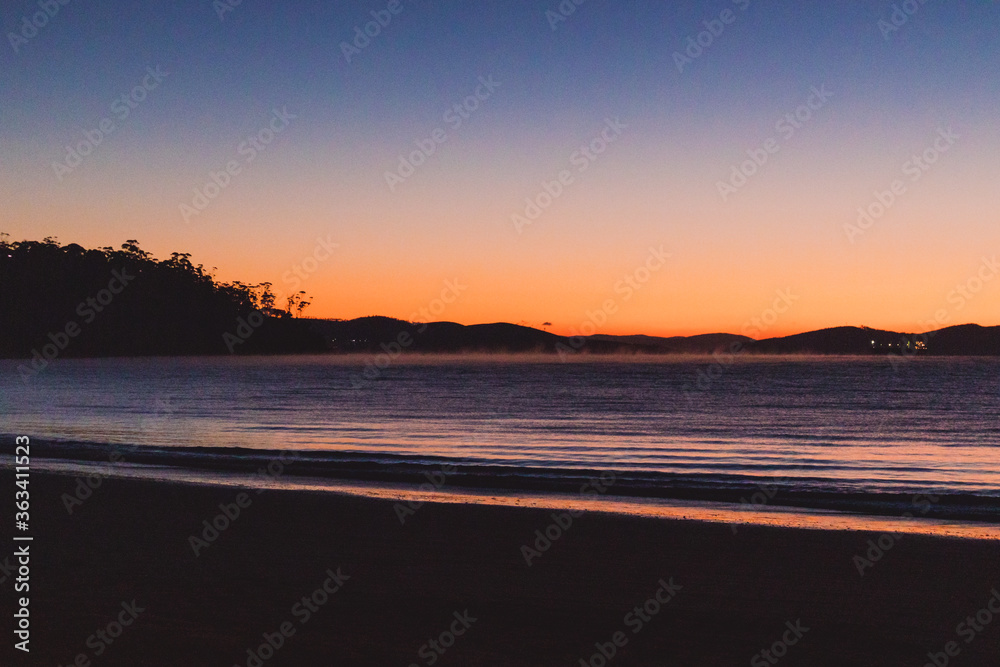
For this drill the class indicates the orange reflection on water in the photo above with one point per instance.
(713, 512)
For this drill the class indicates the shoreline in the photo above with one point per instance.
(318, 467)
(728, 596)
(591, 499)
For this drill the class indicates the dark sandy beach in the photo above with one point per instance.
(456, 574)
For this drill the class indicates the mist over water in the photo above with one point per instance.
(930, 424)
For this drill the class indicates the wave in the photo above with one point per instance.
(762, 485)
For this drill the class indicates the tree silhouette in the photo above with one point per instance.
(126, 302)
(298, 302)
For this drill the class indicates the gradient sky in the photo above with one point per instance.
(323, 176)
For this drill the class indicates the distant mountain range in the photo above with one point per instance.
(375, 334)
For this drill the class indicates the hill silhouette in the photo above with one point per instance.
(374, 334)
(69, 301)
(966, 339)
(699, 344)
(377, 334)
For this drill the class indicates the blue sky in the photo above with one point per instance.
(892, 91)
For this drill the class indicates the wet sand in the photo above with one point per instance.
(457, 575)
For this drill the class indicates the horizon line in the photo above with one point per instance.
(708, 333)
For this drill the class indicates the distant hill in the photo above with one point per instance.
(966, 339)
(700, 344)
(65, 300)
(374, 334)
(837, 340)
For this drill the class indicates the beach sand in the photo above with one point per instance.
(461, 569)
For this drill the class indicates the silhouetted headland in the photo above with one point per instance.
(68, 301)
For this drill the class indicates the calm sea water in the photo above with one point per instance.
(838, 424)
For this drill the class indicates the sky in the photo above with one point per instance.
(667, 168)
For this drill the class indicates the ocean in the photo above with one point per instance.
(822, 432)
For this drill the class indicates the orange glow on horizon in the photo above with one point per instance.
(727, 263)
